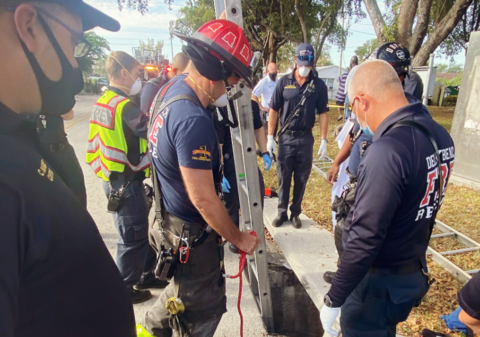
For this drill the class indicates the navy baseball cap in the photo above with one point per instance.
(305, 55)
(91, 17)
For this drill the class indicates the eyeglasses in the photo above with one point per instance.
(81, 45)
(305, 57)
(350, 107)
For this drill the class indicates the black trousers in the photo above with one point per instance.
(232, 199)
(295, 157)
(65, 163)
(338, 233)
(380, 302)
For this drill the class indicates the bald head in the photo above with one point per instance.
(375, 92)
(180, 62)
(377, 79)
(272, 68)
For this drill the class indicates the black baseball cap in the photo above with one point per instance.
(91, 17)
(305, 55)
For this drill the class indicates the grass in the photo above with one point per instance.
(458, 211)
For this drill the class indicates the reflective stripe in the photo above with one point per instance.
(114, 155)
(104, 114)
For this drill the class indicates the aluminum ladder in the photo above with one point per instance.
(246, 167)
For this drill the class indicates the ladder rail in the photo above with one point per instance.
(246, 167)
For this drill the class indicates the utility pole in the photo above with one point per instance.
(342, 43)
(171, 38)
(429, 79)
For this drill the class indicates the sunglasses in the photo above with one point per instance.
(305, 57)
(81, 45)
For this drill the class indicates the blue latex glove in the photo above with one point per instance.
(225, 185)
(267, 162)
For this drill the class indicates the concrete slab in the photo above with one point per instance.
(310, 251)
(462, 181)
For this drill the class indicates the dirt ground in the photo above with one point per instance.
(458, 211)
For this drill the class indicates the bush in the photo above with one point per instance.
(450, 100)
(91, 87)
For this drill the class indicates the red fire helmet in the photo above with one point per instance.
(226, 41)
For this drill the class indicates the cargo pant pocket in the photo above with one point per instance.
(401, 302)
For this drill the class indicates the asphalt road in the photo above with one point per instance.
(77, 131)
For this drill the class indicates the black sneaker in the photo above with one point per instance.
(233, 248)
(278, 221)
(328, 276)
(153, 284)
(139, 296)
(296, 222)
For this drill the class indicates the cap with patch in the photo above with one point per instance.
(305, 55)
(91, 17)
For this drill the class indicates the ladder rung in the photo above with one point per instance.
(442, 235)
(473, 271)
(460, 251)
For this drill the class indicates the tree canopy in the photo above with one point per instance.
(424, 25)
(97, 55)
(365, 49)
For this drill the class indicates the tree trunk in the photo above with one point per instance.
(421, 28)
(377, 20)
(408, 9)
(272, 46)
(445, 27)
(301, 18)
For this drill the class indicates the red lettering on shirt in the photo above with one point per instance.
(432, 176)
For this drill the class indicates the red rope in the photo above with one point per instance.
(243, 258)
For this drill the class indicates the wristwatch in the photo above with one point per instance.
(327, 301)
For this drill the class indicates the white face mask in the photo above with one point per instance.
(221, 102)
(303, 71)
(136, 87)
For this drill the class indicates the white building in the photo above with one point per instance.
(329, 75)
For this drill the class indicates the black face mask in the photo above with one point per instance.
(58, 97)
(272, 76)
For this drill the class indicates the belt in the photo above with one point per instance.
(198, 232)
(298, 133)
(407, 268)
(58, 146)
(127, 176)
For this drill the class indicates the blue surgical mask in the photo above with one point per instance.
(366, 129)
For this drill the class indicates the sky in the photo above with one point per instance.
(155, 25)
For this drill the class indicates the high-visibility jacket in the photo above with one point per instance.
(107, 148)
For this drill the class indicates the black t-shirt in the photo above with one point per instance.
(224, 134)
(288, 94)
(413, 85)
(150, 90)
(57, 278)
(469, 297)
(51, 129)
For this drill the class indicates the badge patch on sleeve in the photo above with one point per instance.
(202, 154)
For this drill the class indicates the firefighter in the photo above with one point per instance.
(185, 154)
(57, 278)
(117, 152)
(401, 184)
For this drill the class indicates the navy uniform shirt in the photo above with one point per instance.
(182, 135)
(51, 129)
(413, 85)
(469, 297)
(288, 94)
(395, 198)
(150, 90)
(57, 278)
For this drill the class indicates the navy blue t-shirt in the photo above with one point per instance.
(396, 196)
(182, 135)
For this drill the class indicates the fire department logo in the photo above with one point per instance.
(245, 52)
(400, 54)
(201, 154)
(214, 27)
(230, 39)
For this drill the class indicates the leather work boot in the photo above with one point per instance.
(139, 296)
(153, 284)
(278, 221)
(233, 248)
(328, 276)
(296, 222)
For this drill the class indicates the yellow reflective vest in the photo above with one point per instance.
(107, 148)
